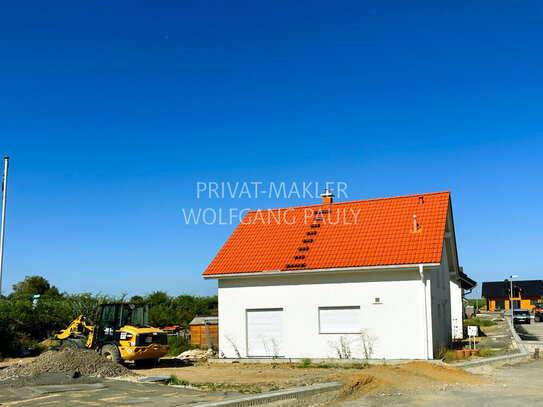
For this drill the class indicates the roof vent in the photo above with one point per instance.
(327, 197)
(416, 226)
(421, 200)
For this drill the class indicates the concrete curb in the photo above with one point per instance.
(496, 360)
(298, 396)
(522, 356)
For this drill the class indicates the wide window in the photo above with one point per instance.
(339, 320)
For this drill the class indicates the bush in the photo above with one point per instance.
(479, 322)
(481, 302)
(178, 344)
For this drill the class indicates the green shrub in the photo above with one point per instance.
(481, 302)
(479, 321)
(178, 344)
(178, 382)
(450, 356)
(306, 362)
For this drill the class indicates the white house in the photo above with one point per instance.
(371, 278)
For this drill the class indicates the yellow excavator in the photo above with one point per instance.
(122, 334)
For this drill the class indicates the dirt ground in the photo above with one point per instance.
(10, 361)
(503, 387)
(408, 378)
(359, 382)
(413, 383)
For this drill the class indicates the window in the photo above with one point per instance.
(339, 320)
(499, 304)
(533, 302)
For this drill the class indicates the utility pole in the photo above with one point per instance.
(3, 227)
(511, 296)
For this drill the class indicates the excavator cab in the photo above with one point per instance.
(114, 316)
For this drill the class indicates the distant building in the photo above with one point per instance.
(526, 294)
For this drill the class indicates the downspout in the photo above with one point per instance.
(425, 308)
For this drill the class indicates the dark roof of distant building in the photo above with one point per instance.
(529, 288)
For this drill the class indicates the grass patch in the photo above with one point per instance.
(240, 388)
(486, 352)
(450, 356)
(479, 322)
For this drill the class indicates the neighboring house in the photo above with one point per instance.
(526, 294)
(204, 331)
(324, 280)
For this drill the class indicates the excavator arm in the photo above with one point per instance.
(80, 328)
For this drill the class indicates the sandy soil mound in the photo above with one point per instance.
(442, 373)
(407, 378)
(84, 361)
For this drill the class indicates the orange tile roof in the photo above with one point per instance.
(371, 232)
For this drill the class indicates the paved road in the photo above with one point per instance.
(530, 332)
(101, 392)
(520, 385)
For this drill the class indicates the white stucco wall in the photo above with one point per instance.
(398, 321)
(456, 309)
(441, 305)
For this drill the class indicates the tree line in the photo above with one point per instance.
(25, 321)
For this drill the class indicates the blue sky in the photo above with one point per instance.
(112, 112)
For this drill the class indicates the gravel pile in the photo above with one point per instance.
(84, 361)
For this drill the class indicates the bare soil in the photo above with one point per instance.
(359, 382)
(406, 378)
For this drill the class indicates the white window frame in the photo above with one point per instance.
(358, 330)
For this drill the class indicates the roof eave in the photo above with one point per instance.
(414, 266)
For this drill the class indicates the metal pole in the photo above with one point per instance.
(511, 298)
(4, 198)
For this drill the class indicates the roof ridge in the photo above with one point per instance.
(350, 202)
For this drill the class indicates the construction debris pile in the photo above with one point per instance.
(83, 361)
(196, 355)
